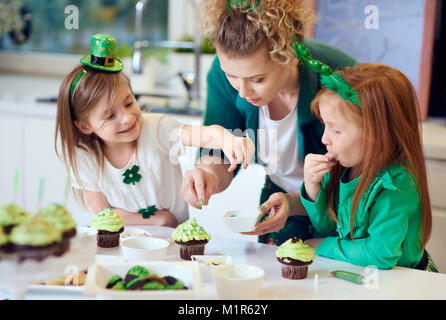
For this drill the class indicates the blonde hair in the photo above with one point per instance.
(390, 118)
(92, 87)
(238, 32)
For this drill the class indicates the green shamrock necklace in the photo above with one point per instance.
(131, 175)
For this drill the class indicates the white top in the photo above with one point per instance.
(158, 148)
(277, 148)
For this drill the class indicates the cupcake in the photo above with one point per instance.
(62, 220)
(35, 239)
(109, 226)
(191, 237)
(295, 256)
(10, 216)
(3, 240)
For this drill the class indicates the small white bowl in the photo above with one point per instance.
(205, 268)
(238, 281)
(144, 249)
(241, 221)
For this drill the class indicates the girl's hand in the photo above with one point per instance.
(279, 207)
(238, 150)
(315, 167)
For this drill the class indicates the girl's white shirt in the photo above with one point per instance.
(158, 148)
(278, 149)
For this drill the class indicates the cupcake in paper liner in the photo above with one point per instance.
(62, 220)
(4, 240)
(109, 226)
(191, 237)
(295, 256)
(10, 216)
(35, 239)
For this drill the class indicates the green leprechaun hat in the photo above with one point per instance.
(103, 54)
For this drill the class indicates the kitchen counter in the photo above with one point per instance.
(397, 283)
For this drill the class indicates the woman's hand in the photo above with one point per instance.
(198, 186)
(279, 206)
(237, 149)
(315, 167)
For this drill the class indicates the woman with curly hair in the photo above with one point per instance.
(259, 86)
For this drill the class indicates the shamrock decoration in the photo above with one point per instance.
(147, 212)
(131, 175)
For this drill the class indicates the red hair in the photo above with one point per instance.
(390, 119)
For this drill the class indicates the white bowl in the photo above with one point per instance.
(144, 249)
(186, 271)
(241, 221)
(205, 268)
(238, 281)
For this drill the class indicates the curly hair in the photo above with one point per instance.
(239, 31)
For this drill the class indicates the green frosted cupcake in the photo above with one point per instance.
(191, 237)
(62, 220)
(109, 226)
(295, 256)
(4, 241)
(10, 216)
(35, 239)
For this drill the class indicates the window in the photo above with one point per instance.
(47, 32)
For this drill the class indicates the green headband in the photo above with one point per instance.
(330, 80)
(242, 4)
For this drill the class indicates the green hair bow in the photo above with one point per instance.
(330, 80)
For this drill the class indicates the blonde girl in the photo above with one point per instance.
(119, 157)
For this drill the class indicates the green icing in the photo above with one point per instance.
(138, 271)
(120, 285)
(153, 285)
(58, 216)
(35, 232)
(189, 231)
(113, 280)
(11, 214)
(3, 237)
(296, 250)
(107, 220)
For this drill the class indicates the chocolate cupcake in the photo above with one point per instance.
(4, 241)
(191, 238)
(10, 216)
(295, 256)
(35, 239)
(109, 226)
(62, 220)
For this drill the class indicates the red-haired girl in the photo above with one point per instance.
(371, 186)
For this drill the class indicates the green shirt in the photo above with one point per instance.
(386, 228)
(225, 107)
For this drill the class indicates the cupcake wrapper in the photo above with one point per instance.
(35, 253)
(62, 247)
(108, 240)
(186, 251)
(294, 272)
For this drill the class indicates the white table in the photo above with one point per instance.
(397, 283)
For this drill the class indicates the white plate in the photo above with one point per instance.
(42, 288)
(186, 271)
(135, 233)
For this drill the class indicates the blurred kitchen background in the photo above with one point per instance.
(167, 62)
